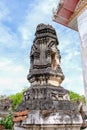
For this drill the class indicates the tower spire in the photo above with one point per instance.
(45, 57)
(47, 103)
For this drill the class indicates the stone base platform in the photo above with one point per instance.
(48, 127)
(50, 120)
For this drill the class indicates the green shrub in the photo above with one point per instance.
(7, 121)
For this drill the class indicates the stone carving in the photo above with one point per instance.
(46, 97)
(45, 74)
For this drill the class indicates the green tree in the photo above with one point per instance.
(76, 97)
(16, 98)
(7, 121)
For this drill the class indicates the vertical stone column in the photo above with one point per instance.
(82, 28)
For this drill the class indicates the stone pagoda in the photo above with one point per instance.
(46, 105)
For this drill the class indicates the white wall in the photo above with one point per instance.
(82, 27)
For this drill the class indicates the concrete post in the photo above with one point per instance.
(82, 27)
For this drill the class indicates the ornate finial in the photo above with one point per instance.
(45, 31)
(43, 26)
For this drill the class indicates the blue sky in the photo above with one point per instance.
(18, 21)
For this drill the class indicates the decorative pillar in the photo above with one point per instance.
(82, 27)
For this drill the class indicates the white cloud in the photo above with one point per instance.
(3, 63)
(12, 76)
(74, 83)
(7, 37)
(4, 12)
(38, 14)
(67, 80)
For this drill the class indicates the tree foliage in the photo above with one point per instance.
(16, 98)
(7, 121)
(76, 97)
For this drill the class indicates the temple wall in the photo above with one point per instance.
(82, 27)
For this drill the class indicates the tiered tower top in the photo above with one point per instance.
(45, 57)
(45, 74)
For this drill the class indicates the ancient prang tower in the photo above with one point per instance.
(46, 105)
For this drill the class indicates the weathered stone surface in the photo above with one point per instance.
(44, 56)
(48, 103)
(52, 117)
(45, 98)
(5, 105)
(45, 73)
(49, 127)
